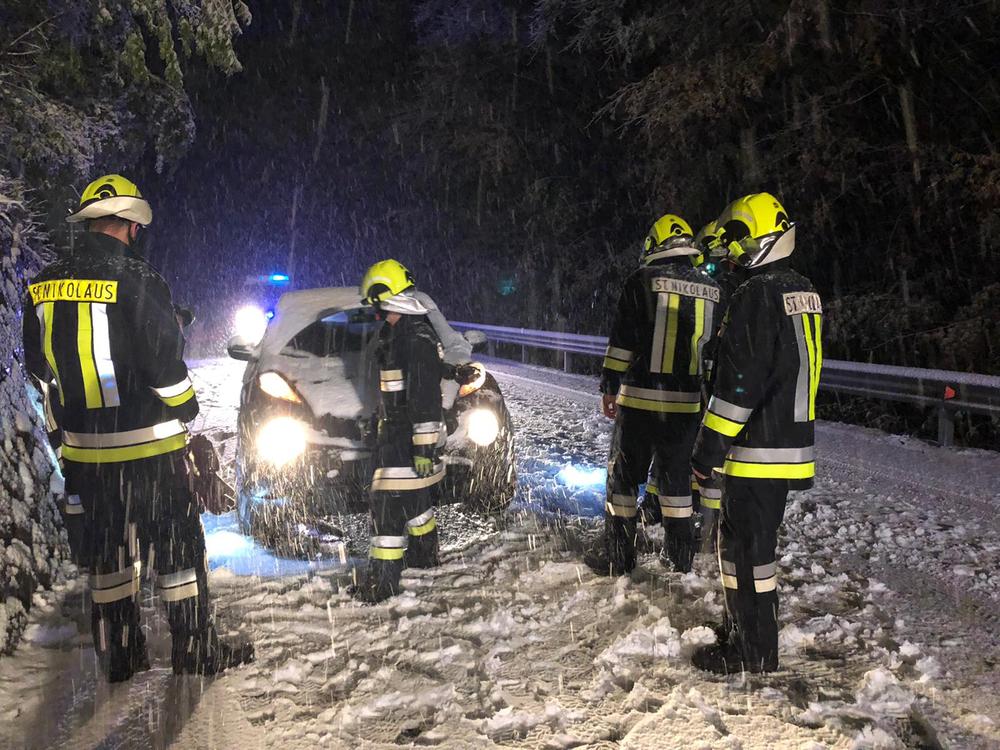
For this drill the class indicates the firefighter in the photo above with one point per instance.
(756, 438)
(651, 386)
(411, 432)
(705, 506)
(100, 325)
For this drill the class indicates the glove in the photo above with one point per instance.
(707, 477)
(214, 495)
(465, 374)
(423, 466)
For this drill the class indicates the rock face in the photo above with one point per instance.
(32, 542)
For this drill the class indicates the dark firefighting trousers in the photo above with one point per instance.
(640, 437)
(752, 511)
(403, 527)
(141, 517)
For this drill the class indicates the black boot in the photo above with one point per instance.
(614, 554)
(379, 582)
(206, 654)
(678, 544)
(732, 656)
(422, 551)
(119, 642)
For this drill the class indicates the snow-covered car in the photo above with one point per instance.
(306, 424)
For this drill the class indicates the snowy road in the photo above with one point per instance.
(890, 583)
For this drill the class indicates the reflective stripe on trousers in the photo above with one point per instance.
(112, 587)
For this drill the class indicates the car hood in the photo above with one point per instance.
(323, 384)
(296, 310)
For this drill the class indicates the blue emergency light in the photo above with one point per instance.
(278, 278)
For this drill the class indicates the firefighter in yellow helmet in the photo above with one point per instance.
(756, 437)
(100, 328)
(651, 386)
(411, 432)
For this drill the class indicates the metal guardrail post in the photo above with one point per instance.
(524, 353)
(567, 362)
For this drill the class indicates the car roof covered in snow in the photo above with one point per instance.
(296, 310)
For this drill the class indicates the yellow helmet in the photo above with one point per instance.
(383, 280)
(755, 230)
(704, 242)
(112, 195)
(669, 237)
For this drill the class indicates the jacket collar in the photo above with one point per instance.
(105, 244)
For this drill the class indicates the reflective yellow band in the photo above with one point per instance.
(427, 438)
(178, 400)
(398, 478)
(729, 581)
(671, 512)
(106, 596)
(47, 313)
(425, 528)
(765, 585)
(622, 506)
(711, 502)
(722, 425)
(658, 406)
(126, 453)
(85, 348)
(73, 509)
(169, 391)
(615, 364)
(769, 471)
(169, 580)
(125, 439)
(616, 352)
(387, 553)
(179, 593)
(699, 328)
(112, 587)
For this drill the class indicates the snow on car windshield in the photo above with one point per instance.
(328, 362)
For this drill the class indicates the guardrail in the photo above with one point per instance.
(948, 392)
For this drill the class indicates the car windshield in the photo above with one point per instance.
(343, 333)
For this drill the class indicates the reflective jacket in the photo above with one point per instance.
(760, 419)
(666, 315)
(100, 324)
(409, 357)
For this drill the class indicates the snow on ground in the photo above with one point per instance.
(889, 584)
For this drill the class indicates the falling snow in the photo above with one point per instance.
(512, 642)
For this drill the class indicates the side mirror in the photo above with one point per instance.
(476, 338)
(239, 348)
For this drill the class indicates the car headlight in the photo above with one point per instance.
(483, 427)
(274, 385)
(475, 384)
(250, 324)
(281, 441)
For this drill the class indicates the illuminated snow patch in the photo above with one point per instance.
(581, 476)
(226, 544)
(244, 556)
